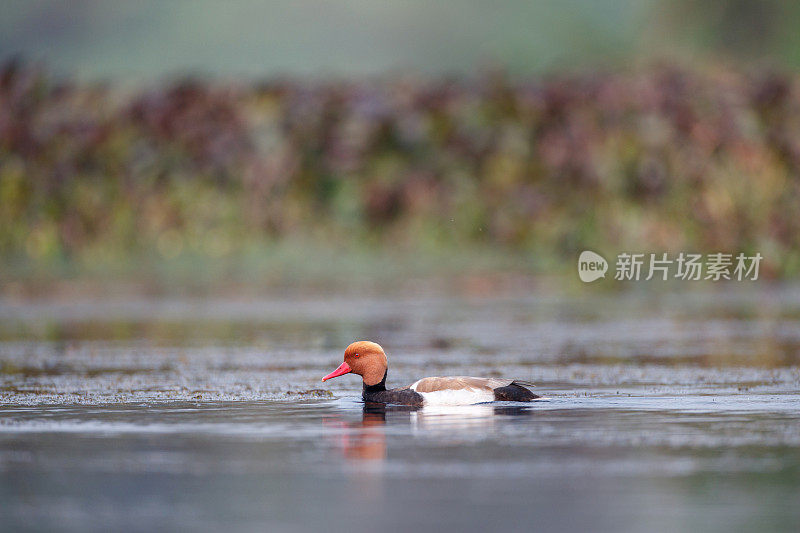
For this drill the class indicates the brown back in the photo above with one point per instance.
(434, 384)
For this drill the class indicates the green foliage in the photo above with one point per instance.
(659, 159)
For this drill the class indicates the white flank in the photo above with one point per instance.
(457, 396)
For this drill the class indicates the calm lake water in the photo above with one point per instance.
(663, 412)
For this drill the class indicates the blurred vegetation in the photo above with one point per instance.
(655, 159)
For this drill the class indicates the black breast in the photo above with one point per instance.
(379, 394)
(393, 396)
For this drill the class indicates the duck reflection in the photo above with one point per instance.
(364, 441)
(367, 441)
(461, 422)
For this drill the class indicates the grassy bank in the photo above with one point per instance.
(295, 265)
(506, 173)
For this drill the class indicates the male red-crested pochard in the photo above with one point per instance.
(368, 360)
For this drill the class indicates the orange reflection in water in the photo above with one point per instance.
(363, 440)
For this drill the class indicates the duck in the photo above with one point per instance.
(368, 360)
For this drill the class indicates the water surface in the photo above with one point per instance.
(662, 413)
